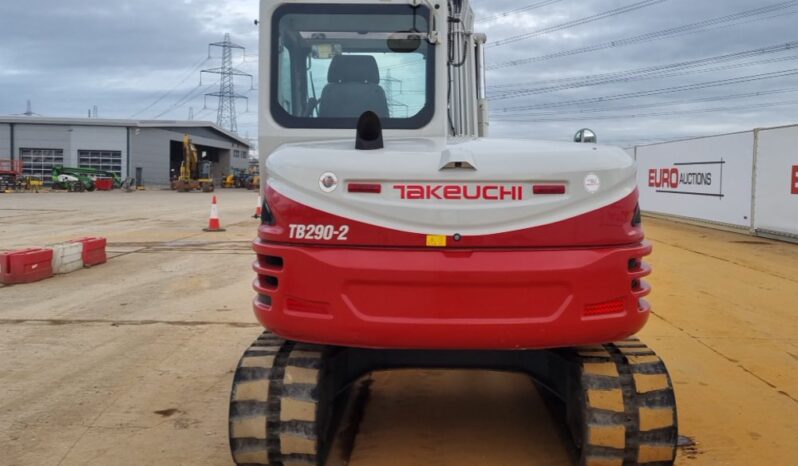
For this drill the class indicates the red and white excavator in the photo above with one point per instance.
(395, 234)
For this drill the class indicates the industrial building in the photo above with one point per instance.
(150, 151)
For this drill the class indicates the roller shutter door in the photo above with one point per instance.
(39, 163)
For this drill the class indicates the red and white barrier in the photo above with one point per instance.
(26, 266)
(67, 257)
(35, 264)
(94, 251)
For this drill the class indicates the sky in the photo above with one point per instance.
(634, 71)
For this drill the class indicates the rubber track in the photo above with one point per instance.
(249, 402)
(274, 404)
(629, 408)
(624, 401)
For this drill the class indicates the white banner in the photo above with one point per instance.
(777, 181)
(707, 178)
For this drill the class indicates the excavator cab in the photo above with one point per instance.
(336, 62)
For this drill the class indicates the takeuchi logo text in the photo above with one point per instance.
(460, 192)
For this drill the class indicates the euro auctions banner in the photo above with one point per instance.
(708, 178)
(776, 200)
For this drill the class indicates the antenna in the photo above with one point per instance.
(191, 114)
(227, 116)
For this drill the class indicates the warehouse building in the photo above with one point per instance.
(150, 151)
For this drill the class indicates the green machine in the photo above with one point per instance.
(81, 179)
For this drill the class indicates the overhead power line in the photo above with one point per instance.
(674, 74)
(170, 91)
(666, 90)
(560, 27)
(756, 14)
(186, 98)
(659, 71)
(584, 111)
(651, 115)
(783, 46)
(515, 11)
(577, 22)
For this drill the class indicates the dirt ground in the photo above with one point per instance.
(130, 363)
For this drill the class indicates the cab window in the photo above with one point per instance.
(332, 63)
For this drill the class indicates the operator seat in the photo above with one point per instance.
(353, 88)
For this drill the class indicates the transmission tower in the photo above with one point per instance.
(227, 117)
(390, 81)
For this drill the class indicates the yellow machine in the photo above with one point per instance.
(237, 179)
(195, 174)
(31, 184)
(253, 179)
(229, 182)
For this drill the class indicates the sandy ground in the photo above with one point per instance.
(130, 363)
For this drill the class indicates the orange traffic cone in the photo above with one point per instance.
(214, 224)
(259, 208)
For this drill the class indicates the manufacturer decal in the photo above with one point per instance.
(592, 183)
(460, 192)
(795, 179)
(689, 178)
(319, 232)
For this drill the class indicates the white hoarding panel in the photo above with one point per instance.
(776, 204)
(708, 179)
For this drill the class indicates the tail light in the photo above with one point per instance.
(365, 188)
(608, 308)
(542, 189)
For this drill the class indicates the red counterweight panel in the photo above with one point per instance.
(26, 266)
(93, 251)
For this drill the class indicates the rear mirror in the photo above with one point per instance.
(403, 42)
(326, 51)
(587, 136)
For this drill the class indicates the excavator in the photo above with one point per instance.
(397, 237)
(195, 174)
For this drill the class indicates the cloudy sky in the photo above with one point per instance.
(633, 70)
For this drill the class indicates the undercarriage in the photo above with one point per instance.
(288, 399)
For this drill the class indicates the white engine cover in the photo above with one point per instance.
(595, 176)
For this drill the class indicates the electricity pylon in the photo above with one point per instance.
(226, 116)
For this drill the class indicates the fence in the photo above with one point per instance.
(743, 180)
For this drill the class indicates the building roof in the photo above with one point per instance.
(36, 120)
